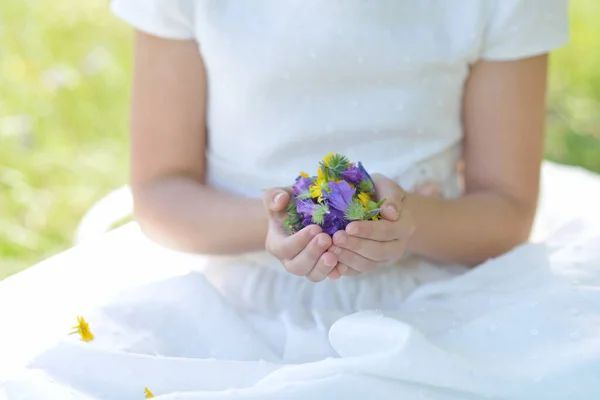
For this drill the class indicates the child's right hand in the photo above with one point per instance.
(303, 253)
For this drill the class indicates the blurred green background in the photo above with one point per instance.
(64, 94)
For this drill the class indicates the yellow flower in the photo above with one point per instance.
(327, 159)
(316, 191)
(84, 330)
(148, 393)
(303, 174)
(364, 199)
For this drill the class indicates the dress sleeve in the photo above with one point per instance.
(523, 28)
(170, 19)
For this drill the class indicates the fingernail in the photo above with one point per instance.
(329, 263)
(314, 231)
(341, 238)
(323, 242)
(277, 197)
(393, 211)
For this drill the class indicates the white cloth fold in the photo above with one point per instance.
(523, 326)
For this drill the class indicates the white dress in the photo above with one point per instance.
(289, 81)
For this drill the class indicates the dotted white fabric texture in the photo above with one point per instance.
(380, 81)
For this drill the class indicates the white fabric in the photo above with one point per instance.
(381, 82)
(523, 326)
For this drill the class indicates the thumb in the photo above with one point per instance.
(385, 188)
(276, 201)
(389, 211)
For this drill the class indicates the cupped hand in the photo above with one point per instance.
(303, 253)
(365, 245)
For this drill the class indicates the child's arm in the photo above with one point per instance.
(504, 114)
(172, 204)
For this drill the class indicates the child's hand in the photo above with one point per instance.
(365, 245)
(305, 252)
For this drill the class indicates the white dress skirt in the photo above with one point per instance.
(288, 82)
(523, 326)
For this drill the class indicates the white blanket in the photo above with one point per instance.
(523, 326)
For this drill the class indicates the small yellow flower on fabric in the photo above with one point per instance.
(304, 175)
(148, 393)
(83, 329)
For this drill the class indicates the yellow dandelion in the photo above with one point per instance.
(364, 199)
(84, 330)
(148, 393)
(327, 159)
(316, 190)
(303, 174)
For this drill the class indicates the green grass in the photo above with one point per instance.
(64, 87)
(64, 73)
(574, 101)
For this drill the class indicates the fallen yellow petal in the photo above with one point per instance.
(148, 393)
(84, 330)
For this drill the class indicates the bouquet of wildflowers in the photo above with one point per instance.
(341, 192)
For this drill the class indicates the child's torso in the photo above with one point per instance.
(380, 81)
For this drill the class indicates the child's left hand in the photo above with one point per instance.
(365, 245)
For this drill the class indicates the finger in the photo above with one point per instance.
(353, 260)
(275, 201)
(390, 211)
(384, 186)
(288, 247)
(381, 181)
(370, 249)
(381, 230)
(335, 274)
(345, 270)
(323, 268)
(306, 260)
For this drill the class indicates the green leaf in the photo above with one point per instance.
(293, 220)
(375, 206)
(338, 163)
(372, 213)
(318, 216)
(366, 186)
(304, 195)
(355, 211)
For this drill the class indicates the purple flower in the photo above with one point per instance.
(334, 221)
(353, 175)
(366, 185)
(307, 220)
(301, 185)
(340, 195)
(305, 207)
